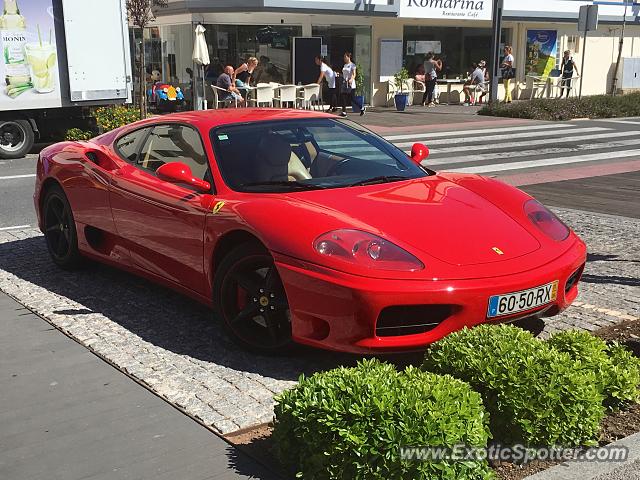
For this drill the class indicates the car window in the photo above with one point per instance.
(307, 154)
(129, 145)
(174, 143)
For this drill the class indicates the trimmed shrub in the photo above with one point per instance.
(351, 423)
(554, 109)
(115, 116)
(617, 371)
(76, 134)
(533, 393)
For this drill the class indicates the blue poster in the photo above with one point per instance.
(542, 49)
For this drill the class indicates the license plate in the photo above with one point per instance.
(510, 303)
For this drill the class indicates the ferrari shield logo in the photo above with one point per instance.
(217, 207)
(498, 251)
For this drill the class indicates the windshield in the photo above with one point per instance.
(307, 154)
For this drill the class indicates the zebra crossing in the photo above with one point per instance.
(531, 148)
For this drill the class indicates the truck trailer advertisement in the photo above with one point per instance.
(29, 64)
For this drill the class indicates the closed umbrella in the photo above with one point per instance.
(201, 57)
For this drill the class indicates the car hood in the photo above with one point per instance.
(432, 215)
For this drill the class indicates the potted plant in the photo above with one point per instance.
(358, 98)
(401, 98)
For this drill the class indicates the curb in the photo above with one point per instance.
(599, 470)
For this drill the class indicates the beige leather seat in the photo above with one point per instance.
(277, 161)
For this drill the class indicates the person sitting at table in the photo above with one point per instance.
(225, 82)
(244, 72)
(477, 82)
(327, 73)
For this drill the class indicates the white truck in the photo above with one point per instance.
(58, 58)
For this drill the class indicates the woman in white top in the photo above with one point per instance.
(348, 84)
(330, 76)
(507, 72)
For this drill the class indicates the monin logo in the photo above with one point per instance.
(14, 37)
(452, 4)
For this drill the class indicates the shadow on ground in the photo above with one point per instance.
(160, 316)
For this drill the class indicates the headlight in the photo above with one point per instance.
(366, 250)
(546, 221)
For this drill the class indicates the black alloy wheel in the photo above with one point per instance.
(60, 229)
(251, 300)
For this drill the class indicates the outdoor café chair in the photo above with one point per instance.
(310, 96)
(264, 94)
(219, 100)
(288, 95)
(563, 84)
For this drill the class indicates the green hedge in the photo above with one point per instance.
(350, 423)
(534, 393)
(114, 116)
(554, 109)
(76, 134)
(617, 370)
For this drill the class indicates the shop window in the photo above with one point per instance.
(458, 48)
(337, 40)
(234, 44)
(573, 43)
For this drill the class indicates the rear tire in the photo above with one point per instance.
(250, 299)
(16, 138)
(60, 229)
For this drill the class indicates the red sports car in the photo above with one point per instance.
(303, 227)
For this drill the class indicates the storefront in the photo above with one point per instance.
(456, 30)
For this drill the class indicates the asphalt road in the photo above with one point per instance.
(587, 165)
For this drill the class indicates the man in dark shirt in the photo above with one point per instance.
(225, 82)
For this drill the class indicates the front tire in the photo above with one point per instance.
(16, 138)
(251, 300)
(60, 229)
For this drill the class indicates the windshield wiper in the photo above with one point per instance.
(380, 179)
(294, 184)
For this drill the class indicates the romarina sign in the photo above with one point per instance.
(446, 9)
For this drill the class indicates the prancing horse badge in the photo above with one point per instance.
(498, 251)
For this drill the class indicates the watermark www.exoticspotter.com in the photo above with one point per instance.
(514, 454)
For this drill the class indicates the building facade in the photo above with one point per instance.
(385, 35)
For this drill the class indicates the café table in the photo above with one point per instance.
(449, 82)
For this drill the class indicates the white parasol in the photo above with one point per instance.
(201, 57)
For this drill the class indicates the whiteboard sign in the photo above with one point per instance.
(390, 58)
(428, 46)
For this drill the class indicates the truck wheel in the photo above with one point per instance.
(16, 138)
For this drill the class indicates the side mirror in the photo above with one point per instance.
(178, 172)
(419, 152)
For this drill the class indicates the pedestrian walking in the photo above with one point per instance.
(508, 72)
(431, 68)
(568, 67)
(348, 84)
(327, 73)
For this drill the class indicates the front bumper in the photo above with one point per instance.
(338, 311)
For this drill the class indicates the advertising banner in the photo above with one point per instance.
(447, 9)
(542, 49)
(29, 63)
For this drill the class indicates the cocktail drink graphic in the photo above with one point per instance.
(41, 57)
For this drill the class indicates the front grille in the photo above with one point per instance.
(411, 319)
(573, 279)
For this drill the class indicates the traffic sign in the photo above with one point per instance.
(588, 19)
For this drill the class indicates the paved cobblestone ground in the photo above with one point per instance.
(175, 347)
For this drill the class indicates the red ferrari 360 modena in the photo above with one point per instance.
(303, 227)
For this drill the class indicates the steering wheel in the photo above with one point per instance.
(336, 166)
